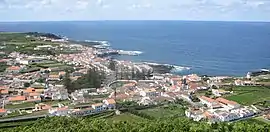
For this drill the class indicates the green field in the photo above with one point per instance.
(248, 95)
(24, 114)
(165, 111)
(257, 120)
(261, 119)
(125, 117)
(17, 106)
(54, 65)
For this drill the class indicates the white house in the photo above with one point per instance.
(145, 101)
(3, 112)
(238, 82)
(24, 62)
(54, 77)
(83, 112)
(148, 92)
(60, 94)
(211, 103)
(193, 78)
(243, 112)
(64, 111)
(99, 107)
(56, 93)
(195, 114)
(219, 92)
(110, 103)
(227, 117)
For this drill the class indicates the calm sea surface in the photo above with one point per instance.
(214, 48)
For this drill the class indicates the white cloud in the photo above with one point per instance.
(150, 9)
(82, 4)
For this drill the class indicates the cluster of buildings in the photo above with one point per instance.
(86, 58)
(219, 109)
(89, 109)
(35, 95)
(17, 87)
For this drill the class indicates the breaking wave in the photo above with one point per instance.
(179, 68)
(173, 68)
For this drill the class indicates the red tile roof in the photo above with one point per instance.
(17, 98)
(62, 109)
(62, 73)
(111, 101)
(3, 60)
(33, 100)
(225, 101)
(98, 104)
(3, 111)
(34, 94)
(44, 106)
(121, 96)
(29, 90)
(193, 85)
(3, 87)
(14, 68)
(207, 99)
(207, 115)
(4, 91)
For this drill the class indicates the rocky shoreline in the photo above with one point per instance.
(106, 51)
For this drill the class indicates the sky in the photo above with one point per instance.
(65, 10)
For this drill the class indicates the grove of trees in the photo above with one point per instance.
(93, 79)
(3, 66)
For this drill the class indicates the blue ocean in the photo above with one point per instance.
(212, 48)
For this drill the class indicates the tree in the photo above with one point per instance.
(214, 87)
(230, 88)
(208, 93)
(93, 79)
(112, 65)
(67, 82)
(26, 84)
(133, 76)
(40, 80)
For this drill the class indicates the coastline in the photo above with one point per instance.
(107, 51)
(161, 68)
(158, 67)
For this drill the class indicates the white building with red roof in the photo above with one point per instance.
(211, 103)
(13, 69)
(63, 111)
(109, 103)
(228, 104)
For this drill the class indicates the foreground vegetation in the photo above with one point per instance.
(66, 124)
(165, 118)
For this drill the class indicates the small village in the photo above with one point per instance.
(36, 85)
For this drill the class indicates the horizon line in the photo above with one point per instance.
(25, 21)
